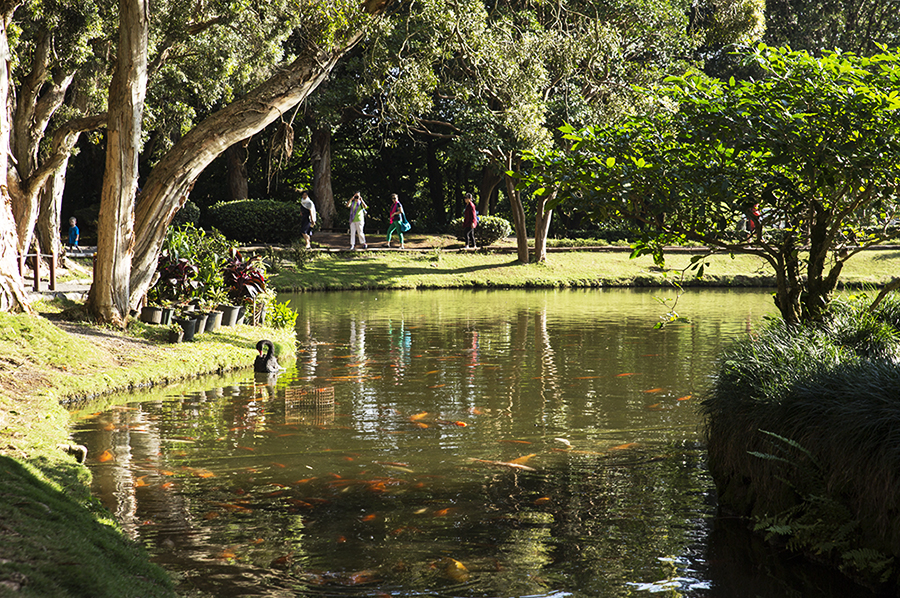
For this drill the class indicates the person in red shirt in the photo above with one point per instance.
(470, 221)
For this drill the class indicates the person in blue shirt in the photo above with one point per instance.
(74, 233)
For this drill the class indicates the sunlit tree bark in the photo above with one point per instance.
(108, 299)
(12, 290)
(169, 184)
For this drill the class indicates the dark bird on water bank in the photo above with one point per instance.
(268, 363)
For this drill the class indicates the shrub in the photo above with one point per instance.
(207, 251)
(280, 315)
(257, 220)
(188, 214)
(244, 279)
(802, 435)
(490, 229)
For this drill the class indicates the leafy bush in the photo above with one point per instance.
(801, 428)
(490, 229)
(188, 214)
(280, 315)
(207, 251)
(244, 279)
(177, 280)
(257, 220)
(301, 255)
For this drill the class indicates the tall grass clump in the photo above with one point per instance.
(803, 431)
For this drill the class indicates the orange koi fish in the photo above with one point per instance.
(622, 447)
(652, 390)
(685, 397)
(105, 456)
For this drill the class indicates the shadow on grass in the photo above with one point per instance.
(54, 546)
(360, 273)
(886, 255)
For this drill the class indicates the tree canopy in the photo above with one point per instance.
(812, 144)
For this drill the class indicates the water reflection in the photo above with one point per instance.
(437, 444)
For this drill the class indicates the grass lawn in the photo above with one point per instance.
(451, 269)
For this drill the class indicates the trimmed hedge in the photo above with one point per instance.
(490, 229)
(257, 220)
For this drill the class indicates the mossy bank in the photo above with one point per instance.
(54, 538)
(802, 437)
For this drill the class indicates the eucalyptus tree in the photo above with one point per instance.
(321, 32)
(59, 66)
(12, 290)
(814, 144)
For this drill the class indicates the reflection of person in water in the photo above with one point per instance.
(401, 342)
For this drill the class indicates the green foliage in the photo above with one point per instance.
(490, 229)
(188, 214)
(819, 523)
(190, 264)
(801, 427)
(244, 279)
(814, 143)
(257, 220)
(300, 255)
(857, 26)
(280, 315)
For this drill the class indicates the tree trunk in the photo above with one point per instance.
(788, 286)
(490, 179)
(40, 95)
(517, 209)
(170, 181)
(236, 163)
(321, 166)
(436, 187)
(109, 297)
(48, 224)
(542, 226)
(13, 297)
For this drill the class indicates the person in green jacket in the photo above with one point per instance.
(357, 220)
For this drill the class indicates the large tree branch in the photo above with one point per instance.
(169, 183)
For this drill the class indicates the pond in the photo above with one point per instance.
(448, 443)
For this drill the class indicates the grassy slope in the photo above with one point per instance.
(53, 541)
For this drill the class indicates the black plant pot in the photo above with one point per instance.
(229, 314)
(189, 326)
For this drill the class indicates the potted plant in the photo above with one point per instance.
(151, 314)
(189, 326)
(176, 333)
(218, 301)
(244, 279)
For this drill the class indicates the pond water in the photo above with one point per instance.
(447, 443)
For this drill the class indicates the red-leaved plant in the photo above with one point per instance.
(243, 279)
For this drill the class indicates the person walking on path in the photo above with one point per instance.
(395, 217)
(308, 212)
(357, 220)
(74, 233)
(470, 220)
